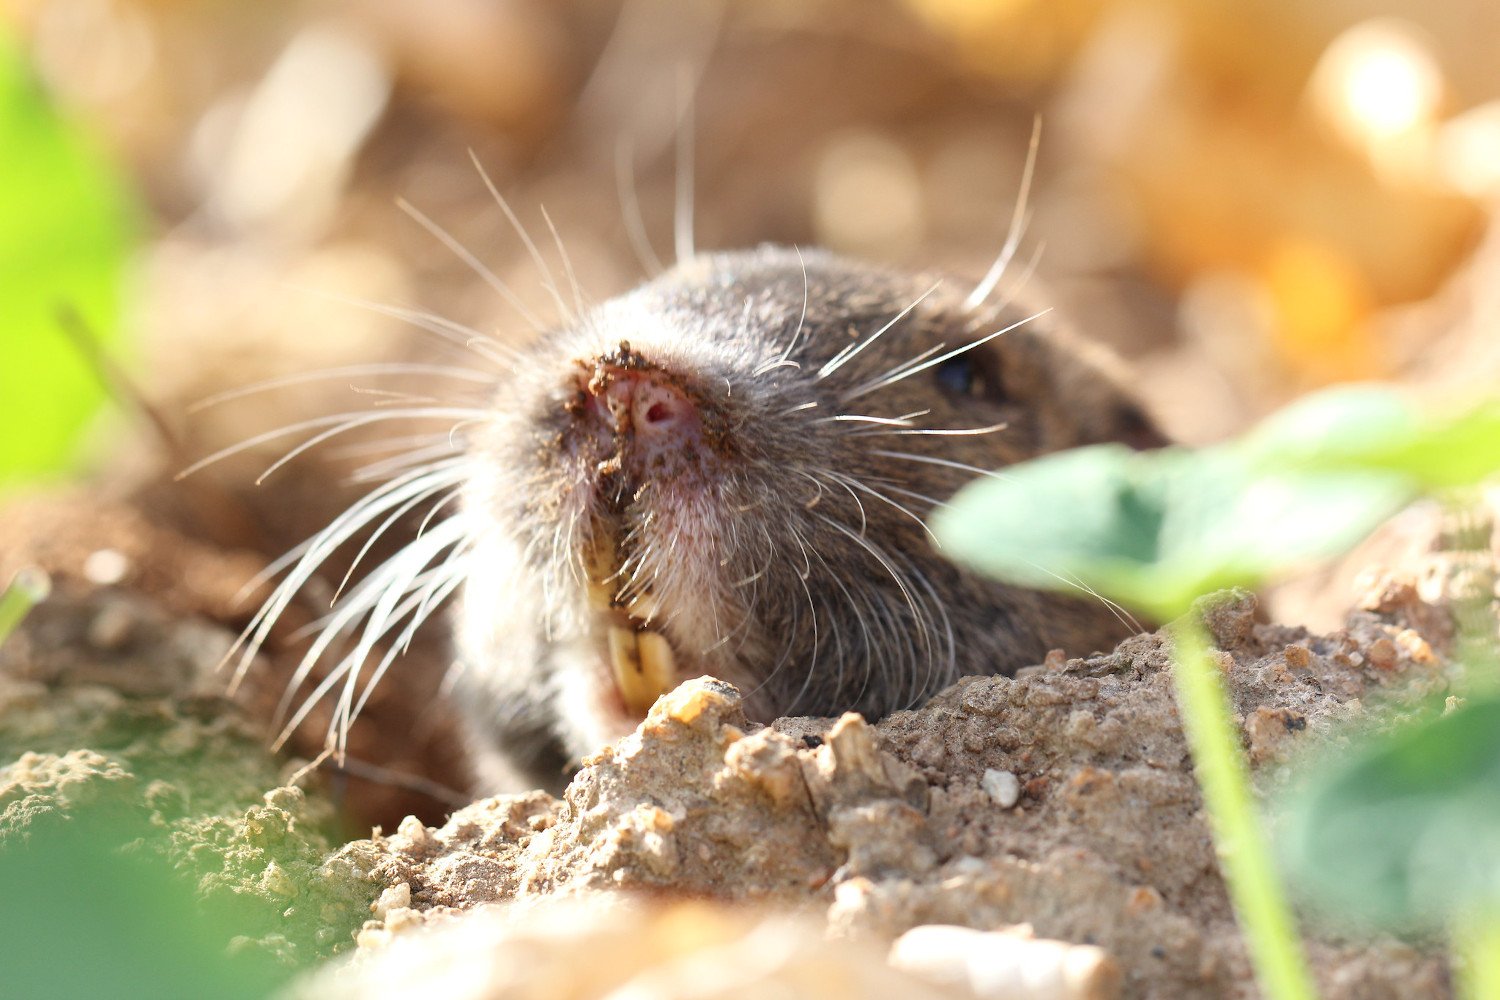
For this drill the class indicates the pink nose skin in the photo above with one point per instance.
(647, 407)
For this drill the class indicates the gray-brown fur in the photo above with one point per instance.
(777, 572)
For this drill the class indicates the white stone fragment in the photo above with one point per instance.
(1002, 786)
(1007, 965)
(394, 897)
(106, 567)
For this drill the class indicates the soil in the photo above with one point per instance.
(1100, 839)
(1062, 799)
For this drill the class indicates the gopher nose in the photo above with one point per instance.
(645, 405)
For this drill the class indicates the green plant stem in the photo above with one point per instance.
(1477, 941)
(1244, 852)
(27, 588)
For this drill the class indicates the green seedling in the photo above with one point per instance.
(1403, 831)
(1155, 531)
(28, 588)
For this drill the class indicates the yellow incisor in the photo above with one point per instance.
(641, 658)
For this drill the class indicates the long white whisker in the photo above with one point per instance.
(935, 431)
(951, 642)
(346, 421)
(344, 428)
(775, 363)
(879, 555)
(432, 598)
(364, 449)
(1017, 225)
(856, 484)
(911, 370)
(388, 584)
(847, 354)
(269, 573)
(945, 462)
(385, 526)
(316, 550)
(567, 263)
(502, 355)
(1121, 613)
(682, 235)
(864, 418)
(777, 360)
(630, 209)
(475, 264)
(812, 610)
(839, 480)
(916, 496)
(393, 397)
(898, 368)
(545, 272)
(345, 371)
(374, 472)
(1022, 278)
(426, 593)
(487, 348)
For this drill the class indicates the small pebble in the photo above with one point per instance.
(1001, 786)
(395, 897)
(1382, 654)
(1007, 965)
(106, 567)
(411, 836)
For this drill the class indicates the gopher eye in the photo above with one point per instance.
(966, 375)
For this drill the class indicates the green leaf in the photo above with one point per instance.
(134, 926)
(1404, 832)
(65, 231)
(1156, 530)
(1343, 423)
(1375, 429)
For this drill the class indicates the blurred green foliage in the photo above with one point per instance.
(1404, 831)
(1369, 428)
(1156, 530)
(81, 917)
(66, 231)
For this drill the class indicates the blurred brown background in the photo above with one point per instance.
(1252, 198)
(1248, 199)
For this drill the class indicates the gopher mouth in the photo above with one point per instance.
(638, 655)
